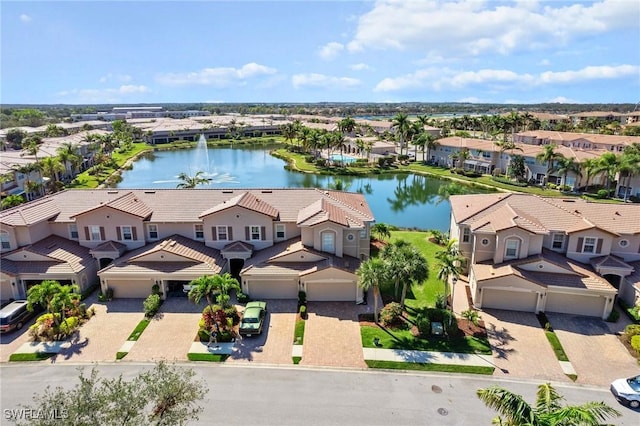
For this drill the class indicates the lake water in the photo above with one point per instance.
(408, 201)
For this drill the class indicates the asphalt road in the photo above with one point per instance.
(294, 396)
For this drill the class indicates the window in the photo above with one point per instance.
(222, 233)
(328, 242)
(4, 240)
(199, 232)
(255, 233)
(485, 242)
(127, 235)
(363, 233)
(623, 243)
(466, 235)
(589, 245)
(152, 230)
(511, 249)
(558, 241)
(73, 231)
(95, 233)
(280, 228)
(350, 237)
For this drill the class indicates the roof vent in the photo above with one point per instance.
(112, 192)
(227, 192)
(149, 192)
(617, 213)
(267, 192)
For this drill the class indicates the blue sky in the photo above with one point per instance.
(522, 51)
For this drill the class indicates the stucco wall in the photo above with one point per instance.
(573, 251)
(238, 218)
(110, 219)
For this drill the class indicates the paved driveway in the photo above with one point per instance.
(170, 334)
(332, 335)
(101, 337)
(273, 346)
(520, 347)
(10, 342)
(595, 352)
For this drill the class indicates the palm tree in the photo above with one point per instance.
(608, 163)
(401, 123)
(190, 182)
(371, 274)
(224, 284)
(381, 230)
(288, 131)
(204, 286)
(64, 299)
(52, 296)
(629, 166)
(407, 264)
(564, 166)
(504, 146)
(589, 167)
(11, 201)
(547, 411)
(68, 155)
(346, 125)
(449, 266)
(51, 167)
(548, 156)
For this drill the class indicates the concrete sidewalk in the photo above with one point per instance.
(450, 358)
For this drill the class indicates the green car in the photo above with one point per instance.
(253, 318)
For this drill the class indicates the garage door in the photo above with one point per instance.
(575, 304)
(331, 292)
(130, 289)
(273, 289)
(510, 300)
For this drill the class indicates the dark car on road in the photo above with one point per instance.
(253, 318)
(14, 315)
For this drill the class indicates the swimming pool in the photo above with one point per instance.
(343, 158)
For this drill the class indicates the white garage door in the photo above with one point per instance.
(130, 289)
(331, 292)
(510, 300)
(575, 304)
(273, 289)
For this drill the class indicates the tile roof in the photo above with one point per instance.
(577, 275)
(128, 203)
(182, 205)
(110, 246)
(247, 200)
(238, 247)
(609, 261)
(540, 215)
(65, 256)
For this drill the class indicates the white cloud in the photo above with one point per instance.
(323, 81)
(120, 78)
(360, 67)
(562, 100)
(111, 95)
(544, 62)
(25, 18)
(476, 27)
(216, 77)
(330, 51)
(470, 99)
(440, 78)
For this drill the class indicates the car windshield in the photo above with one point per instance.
(251, 320)
(634, 382)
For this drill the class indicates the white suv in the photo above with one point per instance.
(627, 391)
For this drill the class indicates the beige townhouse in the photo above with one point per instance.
(276, 241)
(529, 253)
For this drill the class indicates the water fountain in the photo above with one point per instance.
(200, 162)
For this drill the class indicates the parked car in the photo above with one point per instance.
(15, 315)
(627, 391)
(253, 318)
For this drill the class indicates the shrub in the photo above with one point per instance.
(151, 305)
(309, 158)
(231, 312)
(109, 294)
(508, 181)
(242, 298)
(302, 297)
(632, 330)
(391, 313)
(603, 193)
(614, 316)
(471, 315)
(441, 301)
(69, 325)
(321, 162)
(450, 323)
(423, 323)
(497, 172)
(155, 289)
(208, 309)
(303, 311)
(635, 343)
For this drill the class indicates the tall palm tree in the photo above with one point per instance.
(401, 124)
(288, 131)
(224, 284)
(51, 167)
(64, 299)
(590, 168)
(68, 155)
(449, 266)
(548, 156)
(381, 230)
(564, 166)
(629, 166)
(407, 263)
(190, 182)
(548, 409)
(371, 274)
(504, 146)
(347, 125)
(608, 163)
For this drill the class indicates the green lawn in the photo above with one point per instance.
(556, 345)
(207, 357)
(298, 333)
(135, 334)
(447, 368)
(38, 356)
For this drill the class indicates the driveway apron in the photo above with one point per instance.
(595, 352)
(100, 338)
(332, 335)
(170, 333)
(273, 346)
(520, 347)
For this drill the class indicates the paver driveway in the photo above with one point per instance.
(100, 338)
(10, 342)
(170, 333)
(273, 346)
(332, 335)
(520, 347)
(594, 351)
